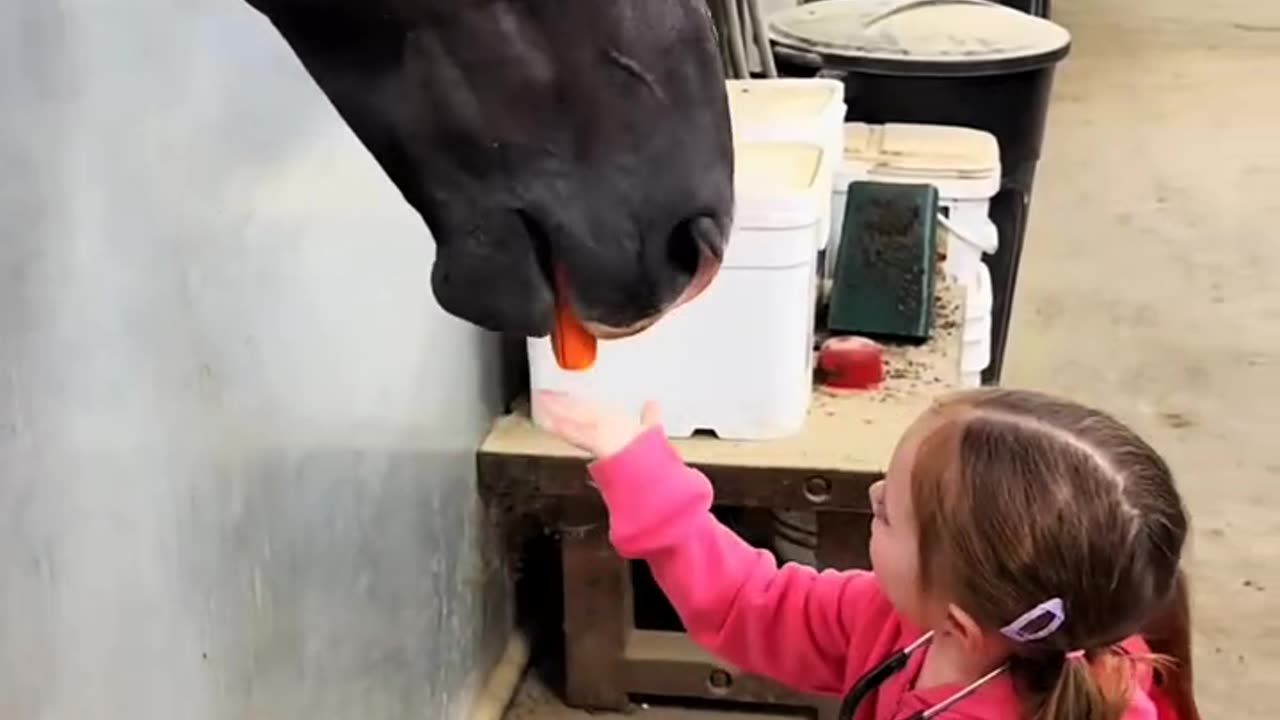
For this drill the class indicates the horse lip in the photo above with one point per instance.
(708, 267)
(605, 332)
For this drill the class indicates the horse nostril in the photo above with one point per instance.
(694, 241)
(697, 248)
(684, 251)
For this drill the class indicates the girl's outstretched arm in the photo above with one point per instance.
(806, 629)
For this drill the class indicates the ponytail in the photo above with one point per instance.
(1097, 687)
(1092, 689)
(1169, 637)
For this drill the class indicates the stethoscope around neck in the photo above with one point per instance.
(876, 677)
(1036, 624)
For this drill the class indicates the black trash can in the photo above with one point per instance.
(971, 63)
(1039, 8)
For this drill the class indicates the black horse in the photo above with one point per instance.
(579, 147)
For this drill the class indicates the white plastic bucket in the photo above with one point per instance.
(809, 110)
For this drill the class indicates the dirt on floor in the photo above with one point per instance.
(1150, 287)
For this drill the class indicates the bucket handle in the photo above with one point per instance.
(807, 59)
(893, 7)
(799, 57)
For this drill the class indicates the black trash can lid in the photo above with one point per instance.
(920, 37)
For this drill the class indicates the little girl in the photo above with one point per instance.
(1021, 546)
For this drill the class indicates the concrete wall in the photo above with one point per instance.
(236, 433)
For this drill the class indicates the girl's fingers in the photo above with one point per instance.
(575, 435)
(651, 415)
(581, 423)
(565, 406)
(568, 418)
(558, 408)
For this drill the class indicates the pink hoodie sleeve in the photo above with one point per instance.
(792, 624)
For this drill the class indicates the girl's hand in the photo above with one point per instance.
(584, 425)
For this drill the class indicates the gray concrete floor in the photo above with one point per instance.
(1149, 287)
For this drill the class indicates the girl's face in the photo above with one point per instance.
(894, 536)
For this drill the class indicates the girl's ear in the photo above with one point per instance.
(962, 626)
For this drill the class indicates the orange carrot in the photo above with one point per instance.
(574, 347)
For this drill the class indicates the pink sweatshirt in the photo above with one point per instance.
(815, 632)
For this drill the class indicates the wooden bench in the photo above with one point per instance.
(826, 469)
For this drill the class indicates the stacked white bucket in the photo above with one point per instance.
(738, 360)
(964, 164)
(809, 110)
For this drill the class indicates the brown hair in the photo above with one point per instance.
(1021, 497)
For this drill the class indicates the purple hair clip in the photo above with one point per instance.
(1037, 623)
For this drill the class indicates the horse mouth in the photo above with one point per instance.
(570, 317)
(708, 267)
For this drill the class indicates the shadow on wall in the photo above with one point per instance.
(236, 432)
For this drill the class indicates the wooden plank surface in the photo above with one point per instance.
(669, 664)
